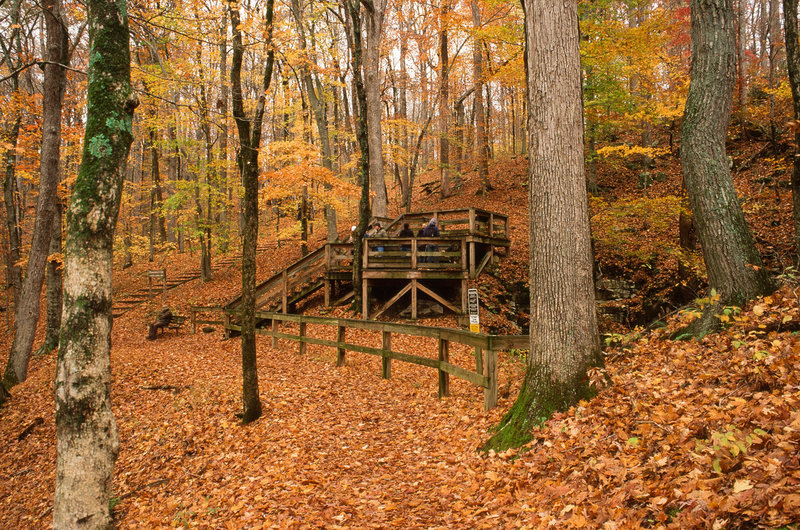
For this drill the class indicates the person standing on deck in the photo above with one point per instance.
(405, 232)
(431, 230)
(378, 232)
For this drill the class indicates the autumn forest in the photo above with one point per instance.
(397, 264)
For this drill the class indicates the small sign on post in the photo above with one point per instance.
(473, 308)
(157, 274)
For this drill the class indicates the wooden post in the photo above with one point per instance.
(302, 336)
(491, 224)
(413, 299)
(444, 377)
(414, 254)
(226, 321)
(386, 361)
(340, 336)
(478, 360)
(194, 317)
(463, 247)
(274, 333)
(157, 274)
(490, 371)
(327, 293)
(471, 221)
(364, 299)
(285, 293)
(472, 259)
(464, 297)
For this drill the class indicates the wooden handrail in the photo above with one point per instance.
(485, 374)
(450, 252)
(476, 223)
(277, 278)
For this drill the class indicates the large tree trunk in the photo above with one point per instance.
(222, 105)
(563, 327)
(204, 222)
(27, 316)
(374, 25)
(741, 46)
(10, 137)
(733, 263)
(402, 111)
(774, 48)
(13, 270)
(318, 108)
(793, 65)
(158, 223)
(87, 433)
(249, 141)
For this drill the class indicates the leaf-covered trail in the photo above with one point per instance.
(334, 446)
(689, 434)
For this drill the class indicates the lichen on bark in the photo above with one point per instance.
(86, 430)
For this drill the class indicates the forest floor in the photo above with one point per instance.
(694, 434)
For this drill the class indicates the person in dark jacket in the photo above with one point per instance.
(405, 232)
(431, 230)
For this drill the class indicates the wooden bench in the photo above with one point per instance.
(176, 322)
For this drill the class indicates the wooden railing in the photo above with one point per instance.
(339, 256)
(455, 250)
(462, 222)
(415, 253)
(486, 347)
(282, 283)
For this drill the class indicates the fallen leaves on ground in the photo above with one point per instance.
(692, 434)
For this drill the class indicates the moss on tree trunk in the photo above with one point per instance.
(540, 396)
(85, 426)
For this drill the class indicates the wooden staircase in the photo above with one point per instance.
(125, 302)
(294, 283)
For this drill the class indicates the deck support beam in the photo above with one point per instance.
(438, 298)
(393, 300)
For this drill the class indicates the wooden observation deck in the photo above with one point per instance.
(436, 267)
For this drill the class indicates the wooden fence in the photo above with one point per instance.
(486, 347)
